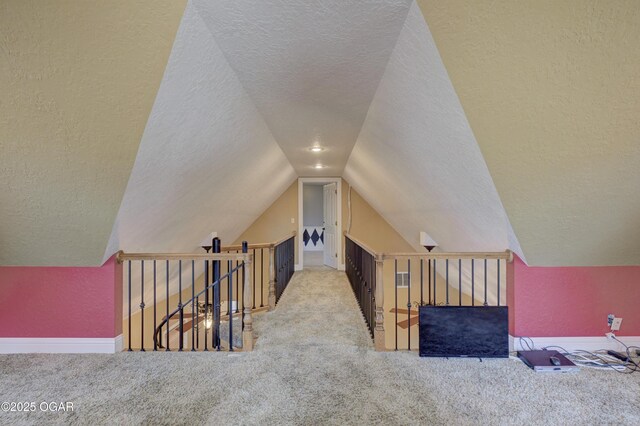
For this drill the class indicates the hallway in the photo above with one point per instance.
(313, 363)
(317, 309)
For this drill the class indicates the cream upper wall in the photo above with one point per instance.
(78, 79)
(275, 222)
(551, 90)
(368, 226)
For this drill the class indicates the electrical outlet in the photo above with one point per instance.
(610, 318)
(293, 220)
(615, 324)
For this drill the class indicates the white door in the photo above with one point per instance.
(330, 224)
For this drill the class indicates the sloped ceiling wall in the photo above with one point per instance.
(311, 68)
(552, 92)
(416, 160)
(77, 80)
(207, 158)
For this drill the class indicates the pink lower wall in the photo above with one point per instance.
(572, 301)
(61, 301)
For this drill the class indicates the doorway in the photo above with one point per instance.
(319, 223)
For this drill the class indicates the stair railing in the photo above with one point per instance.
(283, 253)
(201, 298)
(177, 292)
(398, 283)
(268, 278)
(194, 301)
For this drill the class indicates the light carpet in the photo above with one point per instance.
(313, 364)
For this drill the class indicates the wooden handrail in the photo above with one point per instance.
(506, 255)
(122, 256)
(361, 244)
(258, 245)
(282, 240)
(250, 246)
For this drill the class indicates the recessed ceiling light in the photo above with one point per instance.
(316, 149)
(318, 166)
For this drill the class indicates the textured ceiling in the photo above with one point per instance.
(551, 90)
(78, 80)
(207, 161)
(416, 160)
(310, 67)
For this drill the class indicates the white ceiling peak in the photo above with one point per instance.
(311, 68)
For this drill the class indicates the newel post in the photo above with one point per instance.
(272, 277)
(247, 330)
(378, 332)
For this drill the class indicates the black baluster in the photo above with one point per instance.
(396, 299)
(498, 282)
(261, 277)
(421, 281)
(485, 282)
(181, 327)
(167, 305)
(409, 303)
(215, 333)
(446, 263)
(459, 282)
(245, 250)
(229, 310)
(197, 324)
(155, 283)
(206, 304)
(129, 322)
(237, 283)
(142, 305)
(194, 314)
(435, 282)
(473, 283)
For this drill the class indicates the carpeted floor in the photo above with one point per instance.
(313, 364)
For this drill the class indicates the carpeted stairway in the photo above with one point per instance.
(313, 364)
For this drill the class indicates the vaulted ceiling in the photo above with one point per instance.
(457, 118)
(311, 68)
(551, 90)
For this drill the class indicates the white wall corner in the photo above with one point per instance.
(61, 345)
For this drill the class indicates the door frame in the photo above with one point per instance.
(339, 243)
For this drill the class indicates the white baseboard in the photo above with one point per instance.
(119, 343)
(61, 345)
(297, 268)
(590, 343)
